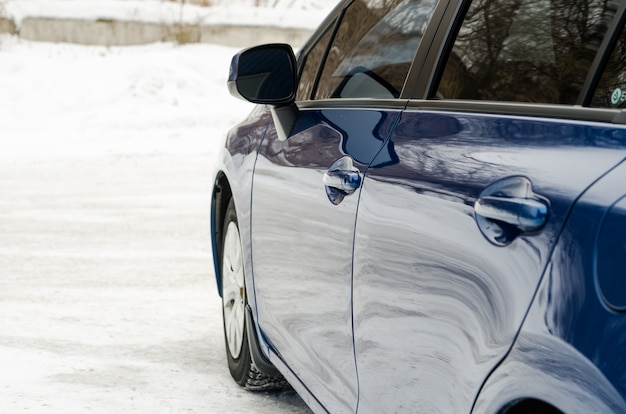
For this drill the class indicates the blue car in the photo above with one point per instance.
(426, 211)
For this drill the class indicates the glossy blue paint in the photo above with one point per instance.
(437, 305)
(570, 351)
(235, 165)
(302, 246)
(427, 260)
(610, 257)
(508, 208)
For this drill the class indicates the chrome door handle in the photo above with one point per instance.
(509, 207)
(341, 179)
(345, 181)
(522, 213)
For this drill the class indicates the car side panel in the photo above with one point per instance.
(302, 247)
(235, 165)
(436, 305)
(571, 351)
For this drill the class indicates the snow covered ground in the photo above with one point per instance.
(107, 293)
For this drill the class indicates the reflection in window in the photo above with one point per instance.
(525, 50)
(372, 52)
(312, 65)
(611, 91)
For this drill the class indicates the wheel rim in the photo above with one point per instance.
(233, 290)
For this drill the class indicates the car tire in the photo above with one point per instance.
(234, 303)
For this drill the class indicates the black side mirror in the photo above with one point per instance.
(264, 75)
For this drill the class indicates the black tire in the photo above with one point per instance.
(234, 302)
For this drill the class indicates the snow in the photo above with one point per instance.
(300, 14)
(107, 293)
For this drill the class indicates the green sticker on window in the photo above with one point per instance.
(618, 96)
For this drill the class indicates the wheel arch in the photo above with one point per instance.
(264, 375)
(529, 405)
(222, 193)
(544, 372)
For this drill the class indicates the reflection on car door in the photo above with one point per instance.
(437, 303)
(303, 214)
(453, 237)
(302, 244)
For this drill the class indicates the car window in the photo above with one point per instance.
(372, 51)
(312, 63)
(611, 91)
(525, 50)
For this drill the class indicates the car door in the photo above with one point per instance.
(306, 191)
(578, 317)
(457, 222)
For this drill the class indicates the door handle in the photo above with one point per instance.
(344, 181)
(523, 213)
(508, 208)
(341, 179)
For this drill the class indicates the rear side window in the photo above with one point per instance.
(525, 50)
(611, 91)
(372, 51)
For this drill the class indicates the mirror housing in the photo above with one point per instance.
(264, 74)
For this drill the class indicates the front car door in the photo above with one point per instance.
(445, 262)
(306, 191)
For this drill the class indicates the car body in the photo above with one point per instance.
(425, 212)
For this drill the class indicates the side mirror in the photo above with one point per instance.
(264, 75)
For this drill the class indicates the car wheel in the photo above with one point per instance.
(234, 302)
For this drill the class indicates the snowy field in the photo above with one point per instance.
(107, 294)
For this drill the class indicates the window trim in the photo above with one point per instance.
(331, 23)
(304, 57)
(556, 111)
(353, 103)
(414, 75)
(602, 58)
(331, 19)
(442, 36)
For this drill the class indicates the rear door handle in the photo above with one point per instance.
(508, 208)
(341, 179)
(523, 213)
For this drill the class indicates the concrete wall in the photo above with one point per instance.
(245, 36)
(7, 26)
(125, 33)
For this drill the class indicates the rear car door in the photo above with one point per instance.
(457, 221)
(571, 348)
(306, 190)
